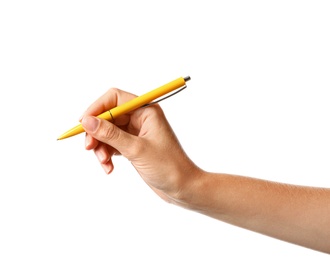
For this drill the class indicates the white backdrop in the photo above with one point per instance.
(257, 105)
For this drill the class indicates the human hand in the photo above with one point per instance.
(145, 138)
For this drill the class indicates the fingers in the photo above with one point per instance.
(98, 139)
(112, 98)
(103, 153)
(90, 142)
(110, 134)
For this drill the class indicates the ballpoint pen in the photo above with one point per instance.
(131, 105)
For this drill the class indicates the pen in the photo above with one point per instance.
(131, 105)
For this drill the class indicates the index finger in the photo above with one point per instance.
(112, 98)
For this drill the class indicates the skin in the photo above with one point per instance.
(292, 213)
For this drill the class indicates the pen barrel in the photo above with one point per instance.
(106, 115)
(146, 98)
(131, 105)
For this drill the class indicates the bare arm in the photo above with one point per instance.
(296, 214)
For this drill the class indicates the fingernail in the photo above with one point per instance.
(87, 142)
(90, 123)
(81, 117)
(107, 168)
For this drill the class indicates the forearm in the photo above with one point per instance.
(296, 214)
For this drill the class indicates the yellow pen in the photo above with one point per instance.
(131, 105)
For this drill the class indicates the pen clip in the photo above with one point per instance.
(161, 99)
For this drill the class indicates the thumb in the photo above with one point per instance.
(108, 133)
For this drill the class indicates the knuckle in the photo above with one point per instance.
(113, 90)
(111, 133)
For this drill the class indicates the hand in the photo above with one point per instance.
(145, 138)
(292, 213)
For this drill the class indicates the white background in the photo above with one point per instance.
(257, 105)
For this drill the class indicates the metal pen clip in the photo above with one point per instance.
(161, 99)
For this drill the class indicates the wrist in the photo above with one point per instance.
(190, 188)
(202, 193)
